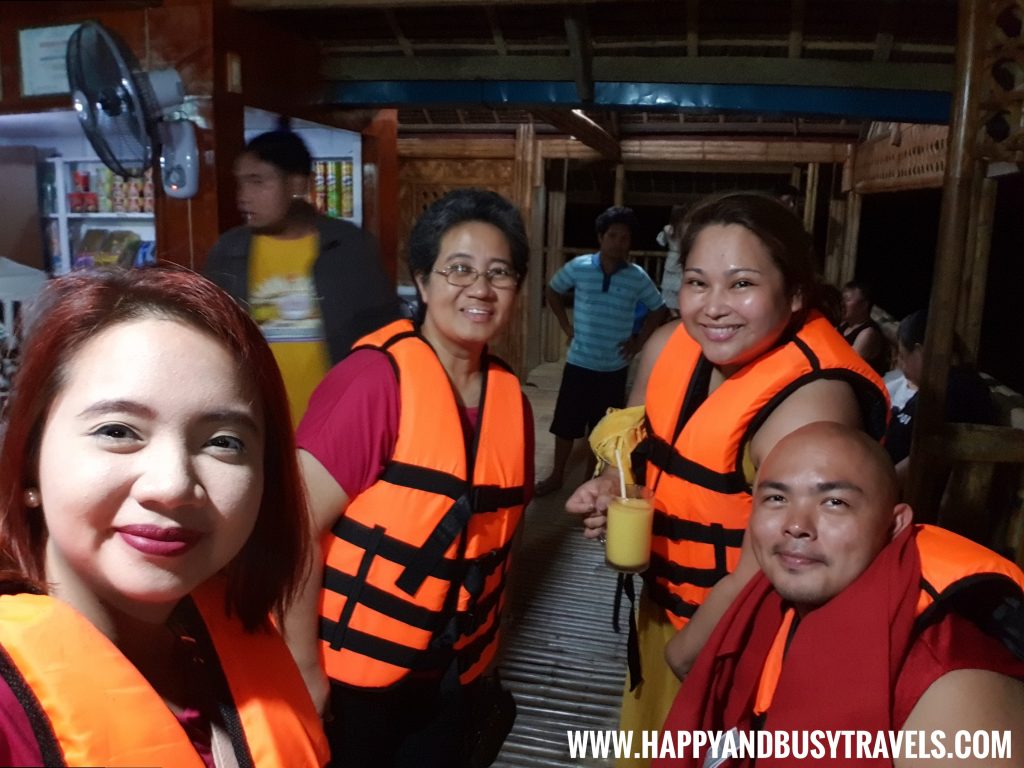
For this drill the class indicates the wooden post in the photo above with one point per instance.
(380, 207)
(834, 239)
(851, 234)
(535, 282)
(554, 338)
(620, 184)
(979, 243)
(811, 196)
(923, 487)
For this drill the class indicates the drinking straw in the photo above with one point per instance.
(622, 473)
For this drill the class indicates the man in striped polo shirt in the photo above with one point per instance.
(608, 290)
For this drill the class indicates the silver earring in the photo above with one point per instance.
(32, 498)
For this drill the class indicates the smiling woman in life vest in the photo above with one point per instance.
(145, 480)
(751, 359)
(417, 451)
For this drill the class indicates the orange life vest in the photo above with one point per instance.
(696, 442)
(90, 706)
(950, 567)
(415, 568)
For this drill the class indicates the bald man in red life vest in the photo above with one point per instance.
(857, 620)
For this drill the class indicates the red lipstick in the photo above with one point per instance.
(155, 540)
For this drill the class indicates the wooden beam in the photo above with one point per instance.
(396, 30)
(496, 33)
(737, 70)
(575, 123)
(457, 148)
(295, 5)
(811, 196)
(975, 278)
(884, 39)
(796, 29)
(693, 28)
(977, 443)
(923, 489)
(851, 235)
(683, 150)
(577, 34)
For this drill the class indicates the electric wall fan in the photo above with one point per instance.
(129, 115)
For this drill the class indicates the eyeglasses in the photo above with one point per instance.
(463, 276)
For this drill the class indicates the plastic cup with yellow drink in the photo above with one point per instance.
(628, 539)
(630, 515)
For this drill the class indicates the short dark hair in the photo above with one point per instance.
(912, 328)
(267, 572)
(458, 207)
(284, 150)
(775, 225)
(864, 288)
(617, 214)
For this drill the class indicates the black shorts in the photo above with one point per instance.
(583, 398)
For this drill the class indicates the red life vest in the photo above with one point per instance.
(90, 706)
(696, 442)
(929, 603)
(951, 566)
(415, 568)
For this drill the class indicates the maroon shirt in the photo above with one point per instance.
(351, 424)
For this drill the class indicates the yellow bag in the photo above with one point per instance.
(622, 429)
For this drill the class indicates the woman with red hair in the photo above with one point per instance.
(150, 524)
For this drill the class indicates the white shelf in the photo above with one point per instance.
(68, 225)
(112, 215)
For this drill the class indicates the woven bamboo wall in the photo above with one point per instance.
(909, 157)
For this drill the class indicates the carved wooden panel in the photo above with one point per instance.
(1001, 82)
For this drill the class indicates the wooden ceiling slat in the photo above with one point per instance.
(796, 29)
(575, 123)
(692, 28)
(577, 34)
(496, 33)
(396, 29)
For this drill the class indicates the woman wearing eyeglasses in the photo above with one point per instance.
(417, 451)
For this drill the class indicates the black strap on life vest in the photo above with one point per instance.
(467, 501)
(668, 600)
(683, 574)
(624, 586)
(338, 635)
(992, 601)
(400, 552)
(666, 458)
(42, 729)
(435, 658)
(193, 625)
(446, 624)
(674, 529)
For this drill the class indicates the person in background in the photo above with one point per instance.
(857, 327)
(313, 283)
(858, 620)
(607, 291)
(672, 274)
(751, 360)
(967, 398)
(789, 196)
(417, 451)
(151, 516)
